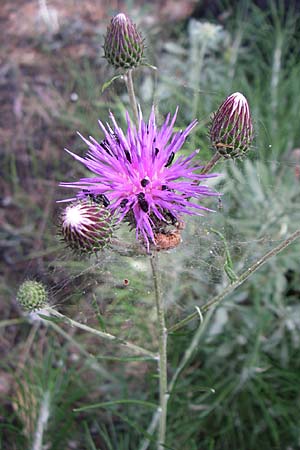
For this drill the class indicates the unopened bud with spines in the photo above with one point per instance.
(86, 226)
(231, 131)
(32, 295)
(123, 45)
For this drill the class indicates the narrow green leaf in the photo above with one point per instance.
(89, 438)
(125, 358)
(149, 65)
(196, 389)
(98, 314)
(117, 402)
(51, 319)
(109, 82)
(136, 427)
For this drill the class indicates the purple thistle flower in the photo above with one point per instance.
(123, 45)
(138, 176)
(231, 131)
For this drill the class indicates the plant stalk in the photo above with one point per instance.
(42, 422)
(186, 357)
(102, 334)
(163, 334)
(207, 168)
(132, 98)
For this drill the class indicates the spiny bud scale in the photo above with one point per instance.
(231, 131)
(86, 226)
(123, 45)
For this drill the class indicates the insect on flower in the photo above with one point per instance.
(139, 176)
(100, 199)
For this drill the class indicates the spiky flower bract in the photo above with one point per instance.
(32, 295)
(86, 226)
(140, 177)
(123, 45)
(231, 131)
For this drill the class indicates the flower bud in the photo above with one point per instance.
(123, 45)
(86, 226)
(231, 131)
(32, 295)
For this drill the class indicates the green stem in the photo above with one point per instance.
(207, 168)
(243, 277)
(197, 59)
(42, 422)
(162, 330)
(102, 334)
(10, 322)
(132, 98)
(185, 359)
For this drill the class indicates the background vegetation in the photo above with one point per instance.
(241, 387)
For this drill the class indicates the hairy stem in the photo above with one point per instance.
(162, 330)
(102, 334)
(132, 98)
(207, 168)
(184, 360)
(243, 277)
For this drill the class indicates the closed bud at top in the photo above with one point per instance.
(86, 226)
(231, 131)
(32, 295)
(123, 45)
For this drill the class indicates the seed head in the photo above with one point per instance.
(231, 131)
(32, 295)
(123, 45)
(86, 226)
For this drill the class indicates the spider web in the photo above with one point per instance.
(258, 209)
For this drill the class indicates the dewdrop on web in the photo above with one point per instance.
(231, 131)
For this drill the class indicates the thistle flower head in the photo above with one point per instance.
(32, 295)
(86, 226)
(231, 131)
(140, 177)
(123, 45)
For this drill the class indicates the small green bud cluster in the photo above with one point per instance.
(32, 295)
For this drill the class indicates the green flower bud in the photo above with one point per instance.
(86, 226)
(32, 295)
(231, 131)
(123, 45)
